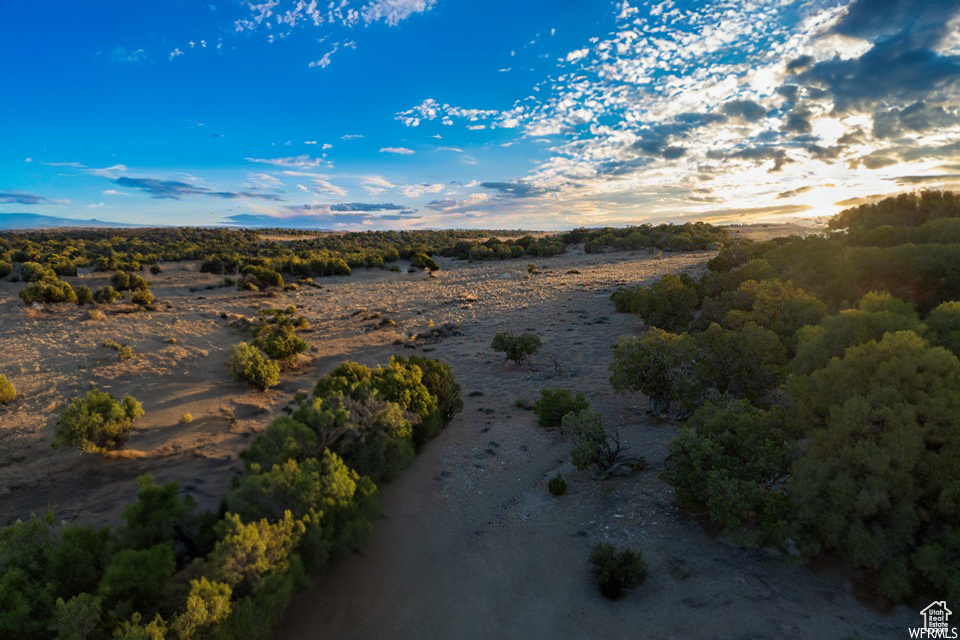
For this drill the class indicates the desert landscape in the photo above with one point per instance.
(469, 319)
(470, 544)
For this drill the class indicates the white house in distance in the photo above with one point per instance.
(935, 615)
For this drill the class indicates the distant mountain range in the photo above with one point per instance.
(36, 221)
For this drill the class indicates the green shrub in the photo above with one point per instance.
(84, 295)
(729, 462)
(124, 352)
(26, 598)
(385, 445)
(98, 422)
(943, 323)
(143, 297)
(247, 551)
(659, 364)
(286, 439)
(553, 404)
(423, 261)
(137, 581)
(679, 371)
(557, 485)
(122, 281)
(106, 295)
(401, 383)
(670, 303)
(590, 440)
(879, 485)
(78, 617)
(247, 364)
(818, 344)
(778, 306)
(516, 347)
(49, 289)
(8, 392)
(35, 272)
(280, 342)
(617, 570)
(208, 605)
(260, 277)
(440, 383)
(159, 515)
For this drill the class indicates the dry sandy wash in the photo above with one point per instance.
(471, 544)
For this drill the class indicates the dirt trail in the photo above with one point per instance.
(472, 545)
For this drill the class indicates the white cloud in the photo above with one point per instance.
(324, 62)
(109, 172)
(264, 181)
(375, 185)
(403, 151)
(394, 11)
(418, 190)
(352, 136)
(301, 161)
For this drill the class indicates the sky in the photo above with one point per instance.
(536, 114)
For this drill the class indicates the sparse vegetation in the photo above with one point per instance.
(97, 422)
(8, 393)
(593, 446)
(423, 261)
(554, 404)
(617, 570)
(296, 508)
(557, 485)
(84, 295)
(106, 295)
(247, 364)
(516, 348)
(124, 352)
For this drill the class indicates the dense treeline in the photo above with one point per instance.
(303, 254)
(820, 383)
(307, 496)
(669, 237)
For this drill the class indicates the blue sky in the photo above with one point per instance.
(473, 113)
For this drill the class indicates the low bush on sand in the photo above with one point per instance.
(247, 364)
(8, 392)
(617, 570)
(553, 404)
(516, 347)
(97, 422)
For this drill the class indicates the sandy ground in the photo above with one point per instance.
(471, 544)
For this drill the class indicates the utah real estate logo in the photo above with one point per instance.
(935, 622)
